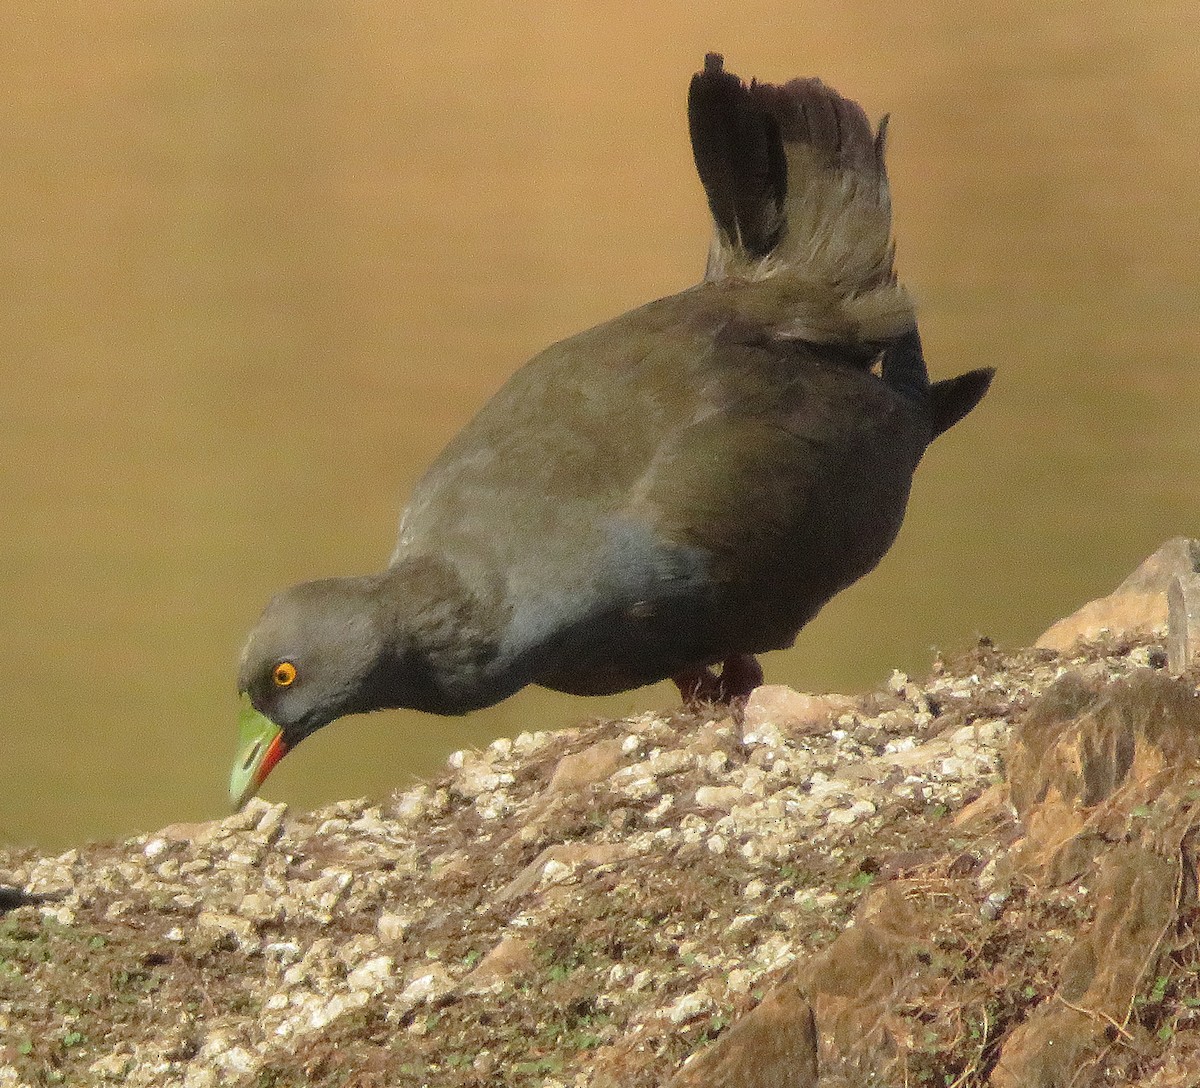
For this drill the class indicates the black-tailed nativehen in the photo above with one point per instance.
(678, 489)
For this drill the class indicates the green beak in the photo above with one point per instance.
(260, 747)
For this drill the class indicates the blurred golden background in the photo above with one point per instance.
(261, 260)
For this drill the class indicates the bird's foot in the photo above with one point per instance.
(740, 675)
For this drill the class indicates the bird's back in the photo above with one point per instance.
(704, 478)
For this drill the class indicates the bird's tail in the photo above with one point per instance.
(797, 185)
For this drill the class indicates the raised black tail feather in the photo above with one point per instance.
(739, 157)
(794, 173)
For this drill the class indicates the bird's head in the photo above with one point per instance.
(308, 661)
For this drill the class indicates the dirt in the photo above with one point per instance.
(985, 877)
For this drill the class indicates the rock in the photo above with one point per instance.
(428, 985)
(1183, 624)
(580, 769)
(391, 927)
(689, 1006)
(659, 907)
(990, 807)
(772, 1046)
(111, 1067)
(476, 775)
(714, 739)
(556, 863)
(793, 713)
(857, 984)
(1138, 604)
(720, 798)
(1101, 975)
(323, 1013)
(858, 810)
(235, 1060)
(241, 929)
(1103, 778)
(372, 975)
(1082, 743)
(259, 907)
(512, 956)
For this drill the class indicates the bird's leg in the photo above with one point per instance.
(698, 686)
(740, 675)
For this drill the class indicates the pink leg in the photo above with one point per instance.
(698, 686)
(740, 675)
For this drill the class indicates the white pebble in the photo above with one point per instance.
(661, 809)
(371, 975)
(689, 1006)
(897, 682)
(739, 981)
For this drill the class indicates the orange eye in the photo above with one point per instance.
(284, 674)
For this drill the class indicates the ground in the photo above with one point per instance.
(983, 877)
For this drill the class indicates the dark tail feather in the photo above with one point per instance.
(796, 182)
(955, 397)
(904, 366)
(904, 370)
(739, 157)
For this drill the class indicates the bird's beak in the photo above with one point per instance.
(260, 747)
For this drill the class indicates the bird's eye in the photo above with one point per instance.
(284, 674)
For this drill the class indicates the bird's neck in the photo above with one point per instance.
(444, 656)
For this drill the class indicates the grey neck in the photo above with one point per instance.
(444, 653)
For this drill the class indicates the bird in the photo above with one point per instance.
(663, 496)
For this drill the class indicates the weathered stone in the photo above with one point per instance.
(512, 956)
(580, 769)
(1183, 624)
(670, 899)
(372, 975)
(714, 738)
(721, 798)
(772, 1046)
(240, 928)
(689, 1006)
(1108, 962)
(1084, 739)
(1081, 744)
(1138, 604)
(556, 862)
(260, 907)
(476, 776)
(1102, 777)
(856, 984)
(428, 984)
(793, 713)
(392, 927)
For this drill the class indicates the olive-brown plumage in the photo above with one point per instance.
(682, 486)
